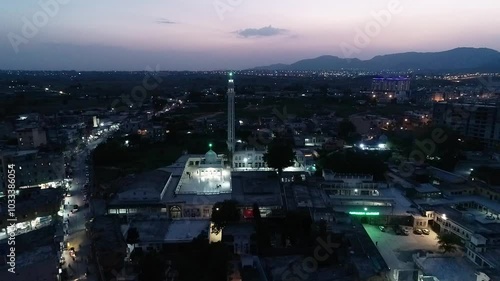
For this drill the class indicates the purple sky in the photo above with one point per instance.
(232, 34)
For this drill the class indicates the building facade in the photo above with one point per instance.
(30, 138)
(33, 168)
(478, 121)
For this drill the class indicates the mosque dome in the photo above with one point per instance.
(211, 157)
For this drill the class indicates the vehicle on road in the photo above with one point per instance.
(418, 231)
(400, 230)
(382, 228)
(426, 231)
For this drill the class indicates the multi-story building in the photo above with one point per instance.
(349, 184)
(29, 138)
(480, 122)
(247, 160)
(391, 84)
(386, 89)
(33, 168)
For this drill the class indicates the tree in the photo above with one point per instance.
(256, 213)
(262, 233)
(322, 225)
(152, 267)
(279, 155)
(345, 128)
(297, 227)
(444, 153)
(448, 242)
(132, 236)
(224, 213)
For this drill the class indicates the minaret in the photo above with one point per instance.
(230, 114)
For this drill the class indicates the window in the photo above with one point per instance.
(175, 212)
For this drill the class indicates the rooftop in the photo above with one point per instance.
(156, 179)
(426, 188)
(492, 205)
(196, 180)
(390, 201)
(151, 231)
(469, 219)
(446, 176)
(180, 231)
(14, 153)
(256, 187)
(447, 268)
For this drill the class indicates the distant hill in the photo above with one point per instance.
(459, 59)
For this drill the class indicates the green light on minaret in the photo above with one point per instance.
(210, 145)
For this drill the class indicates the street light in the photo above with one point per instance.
(366, 209)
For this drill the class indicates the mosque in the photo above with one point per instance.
(194, 183)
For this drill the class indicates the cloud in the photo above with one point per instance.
(164, 21)
(261, 32)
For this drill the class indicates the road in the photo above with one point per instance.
(74, 222)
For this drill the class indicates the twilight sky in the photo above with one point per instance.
(231, 34)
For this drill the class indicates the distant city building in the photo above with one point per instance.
(477, 121)
(390, 84)
(253, 160)
(33, 168)
(28, 138)
(387, 89)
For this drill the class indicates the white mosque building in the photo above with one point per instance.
(195, 182)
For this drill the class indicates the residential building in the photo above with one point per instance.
(480, 122)
(33, 168)
(29, 138)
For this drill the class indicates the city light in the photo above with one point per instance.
(381, 145)
(364, 213)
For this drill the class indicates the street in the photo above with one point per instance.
(77, 255)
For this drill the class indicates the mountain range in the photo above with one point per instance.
(455, 60)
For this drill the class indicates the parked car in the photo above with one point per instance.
(382, 228)
(404, 231)
(417, 231)
(426, 231)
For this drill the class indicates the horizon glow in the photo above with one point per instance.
(232, 34)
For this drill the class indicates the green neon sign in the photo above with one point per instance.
(364, 213)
